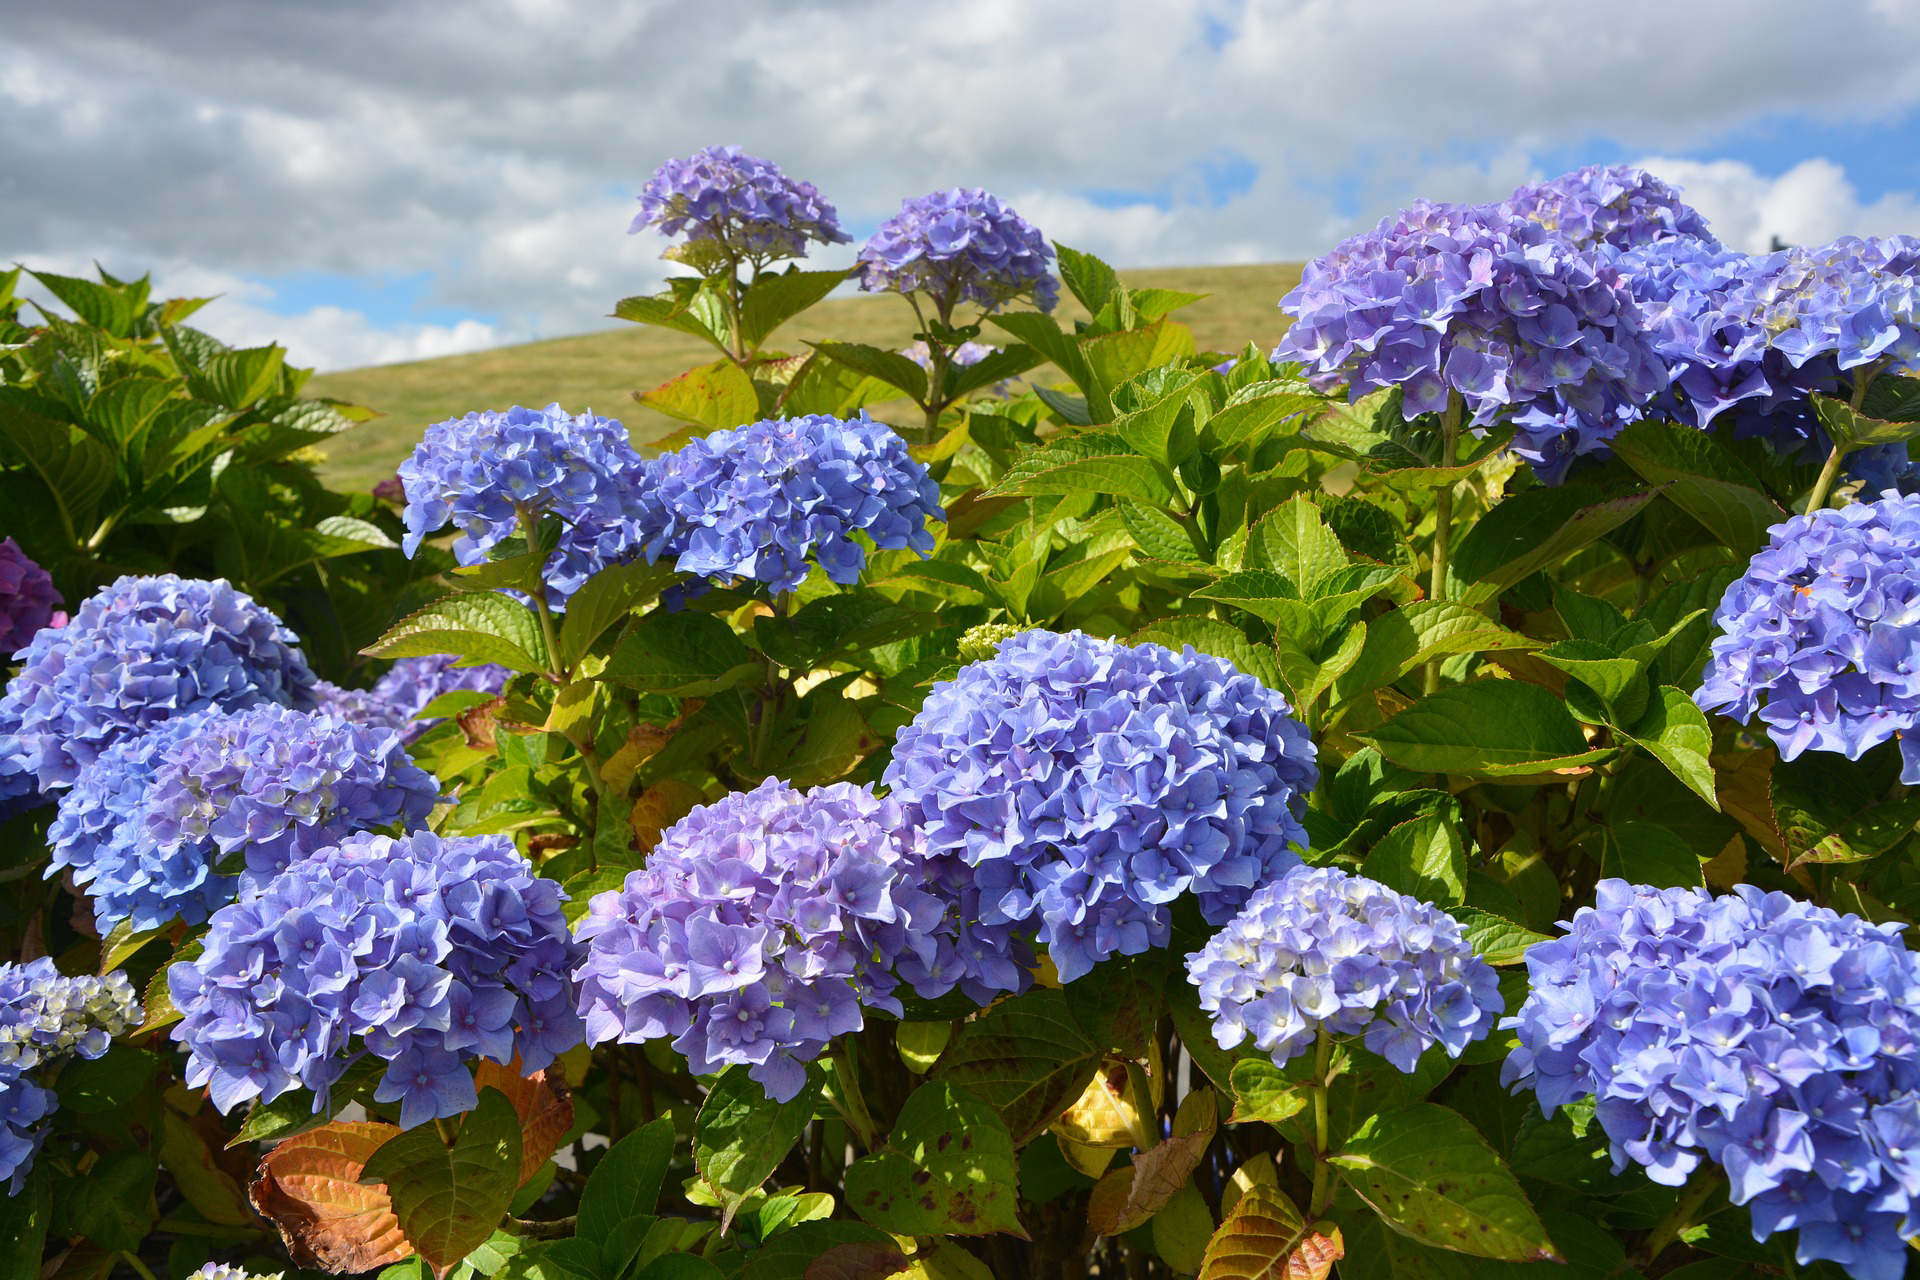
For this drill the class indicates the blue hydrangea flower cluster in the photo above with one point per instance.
(28, 601)
(760, 927)
(46, 1016)
(961, 245)
(1076, 787)
(967, 353)
(1321, 950)
(740, 203)
(483, 473)
(1822, 626)
(1616, 205)
(411, 685)
(426, 952)
(1856, 301)
(136, 653)
(1881, 468)
(148, 822)
(1774, 1038)
(357, 706)
(1475, 301)
(756, 502)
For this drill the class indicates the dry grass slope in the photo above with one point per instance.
(600, 371)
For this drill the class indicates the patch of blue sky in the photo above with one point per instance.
(1213, 179)
(385, 300)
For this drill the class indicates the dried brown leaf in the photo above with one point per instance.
(309, 1187)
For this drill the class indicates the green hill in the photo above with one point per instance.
(600, 371)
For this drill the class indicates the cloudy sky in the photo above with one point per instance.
(378, 180)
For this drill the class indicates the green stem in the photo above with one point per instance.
(1443, 517)
(1322, 1169)
(128, 1257)
(1818, 497)
(1669, 1228)
(1141, 1090)
(853, 1103)
(556, 1229)
(211, 1230)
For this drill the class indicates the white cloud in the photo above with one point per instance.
(495, 145)
(1811, 203)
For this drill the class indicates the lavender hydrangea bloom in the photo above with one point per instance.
(45, 1017)
(741, 203)
(426, 952)
(1884, 467)
(1320, 950)
(1471, 300)
(1825, 627)
(1615, 205)
(1774, 1038)
(146, 823)
(357, 706)
(411, 685)
(760, 927)
(483, 473)
(967, 353)
(136, 653)
(1076, 787)
(756, 502)
(1856, 301)
(961, 245)
(28, 601)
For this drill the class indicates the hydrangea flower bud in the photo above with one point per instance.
(961, 245)
(742, 204)
(483, 473)
(759, 501)
(28, 601)
(411, 685)
(1073, 788)
(1773, 1038)
(1616, 205)
(1472, 300)
(46, 1016)
(1321, 950)
(982, 642)
(136, 653)
(759, 928)
(1820, 637)
(426, 952)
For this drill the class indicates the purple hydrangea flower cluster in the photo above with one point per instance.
(1472, 300)
(1856, 301)
(1615, 205)
(1825, 627)
(136, 653)
(1077, 787)
(740, 203)
(1883, 467)
(1774, 1038)
(487, 471)
(357, 706)
(967, 353)
(1321, 950)
(759, 928)
(755, 502)
(412, 684)
(28, 601)
(425, 952)
(147, 823)
(46, 1016)
(961, 245)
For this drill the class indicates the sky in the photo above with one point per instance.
(370, 181)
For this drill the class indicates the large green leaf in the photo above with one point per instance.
(604, 599)
(76, 469)
(778, 297)
(24, 1215)
(1423, 857)
(112, 1204)
(889, 367)
(1043, 334)
(742, 1135)
(1847, 426)
(1401, 640)
(947, 1169)
(1027, 1058)
(1486, 729)
(1209, 635)
(480, 626)
(1092, 462)
(1650, 854)
(1429, 1174)
(626, 1182)
(683, 654)
(717, 396)
(1532, 531)
(1294, 541)
(449, 1199)
(667, 312)
(1698, 475)
(1675, 732)
(1086, 277)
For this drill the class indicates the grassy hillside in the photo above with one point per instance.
(599, 371)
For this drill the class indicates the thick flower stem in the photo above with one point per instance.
(1322, 1170)
(853, 1103)
(1818, 497)
(1443, 516)
(1668, 1229)
(131, 1259)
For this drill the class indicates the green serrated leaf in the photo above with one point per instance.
(687, 655)
(480, 626)
(1855, 430)
(1295, 541)
(626, 1182)
(716, 396)
(1423, 857)
(1675, 732)
(947, 1169)
(1696, 473)
(742, 1135)
(604, 599)
(1027, 1058)
(1486, 729)
(778, 297)
(448, 1200)
(889, 367)
(1404, 639)
(1430, 1174)
(1532, 531)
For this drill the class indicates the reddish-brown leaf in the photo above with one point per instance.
(1127, 1197)
(859, 1260)
(659, 807)
(1264, 1238)
(477, 724)
(309, 1187)
(543, 1103)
